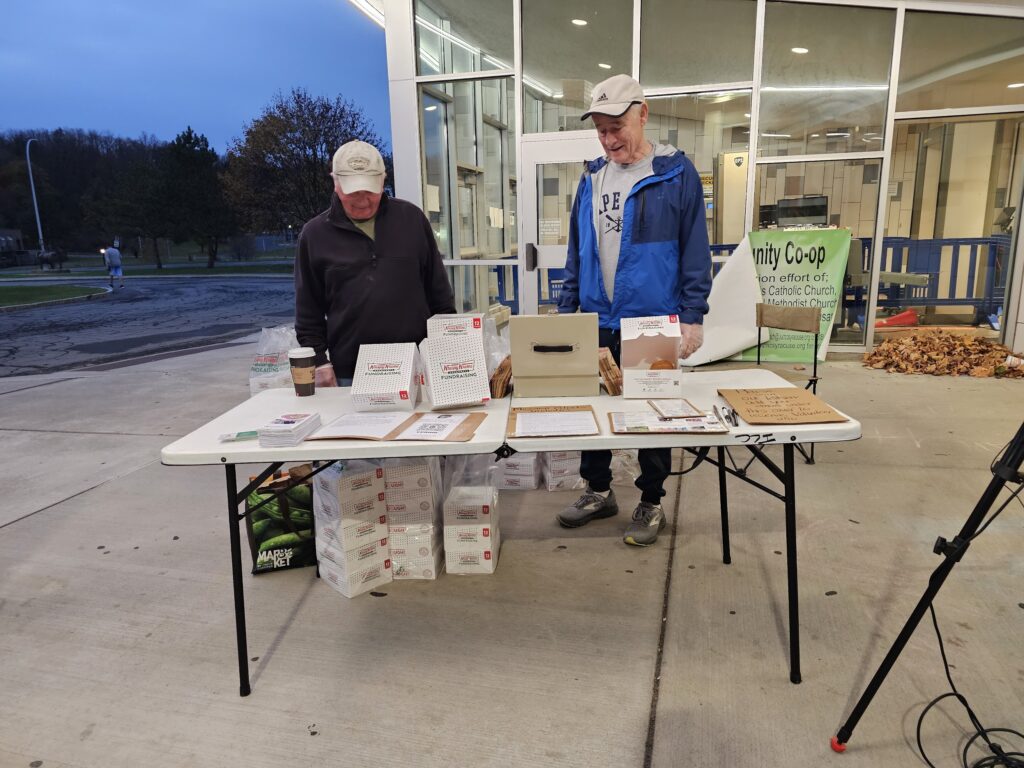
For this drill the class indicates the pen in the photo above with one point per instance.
(731, 413)
(719, 416)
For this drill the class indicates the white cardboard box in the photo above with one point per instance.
(357, 582)
(410, 507)
(473, 559)
(550, 456)
(456, 372)
(638, 383)
(520, 464)
(471, 504)
(409, 546)
(385, 378)
(347, 487)
(351, 531)
(407, 475)
(519, 482)
(350, 561)
(455, 326)
(419, 568)
(647, 342)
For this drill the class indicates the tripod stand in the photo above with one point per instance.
(1005, 470)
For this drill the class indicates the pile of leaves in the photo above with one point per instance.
(943, 354)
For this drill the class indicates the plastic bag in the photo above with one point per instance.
(270, 367)
(625, 467)
(496, 346)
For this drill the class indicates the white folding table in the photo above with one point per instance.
(202, 447)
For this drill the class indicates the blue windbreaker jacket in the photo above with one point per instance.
(664, 260)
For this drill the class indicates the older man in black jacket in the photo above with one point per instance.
(368, 270)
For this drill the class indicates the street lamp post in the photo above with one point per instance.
(35, 204)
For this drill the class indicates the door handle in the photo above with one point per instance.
(531, 257)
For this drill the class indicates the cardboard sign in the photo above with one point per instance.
(780, 405)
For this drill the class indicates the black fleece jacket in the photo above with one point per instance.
(351, 290)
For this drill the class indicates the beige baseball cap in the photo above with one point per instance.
(358, 167)
(614, 96)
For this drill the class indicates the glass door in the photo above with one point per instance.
(551, 171)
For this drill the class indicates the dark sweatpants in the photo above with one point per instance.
(655, 463)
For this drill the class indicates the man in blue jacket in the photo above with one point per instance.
(638, 247)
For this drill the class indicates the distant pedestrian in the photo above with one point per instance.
(112, 260)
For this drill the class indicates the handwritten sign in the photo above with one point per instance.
(781, 405)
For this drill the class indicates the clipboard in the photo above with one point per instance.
(513, 414)
(462, 433)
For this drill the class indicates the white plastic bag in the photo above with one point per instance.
(270, 367)
(625, 467)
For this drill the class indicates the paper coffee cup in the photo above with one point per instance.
(303, 367)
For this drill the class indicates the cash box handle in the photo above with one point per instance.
(544, 348)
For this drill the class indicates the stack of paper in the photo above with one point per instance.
(351, 527)
(472, 538)
(288, 429)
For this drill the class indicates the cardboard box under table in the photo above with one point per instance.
(554, 355)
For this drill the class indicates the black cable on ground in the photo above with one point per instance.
(999, 757)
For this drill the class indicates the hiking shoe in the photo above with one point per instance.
(648, 520)
(589, 506)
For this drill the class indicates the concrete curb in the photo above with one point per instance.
(72, 300)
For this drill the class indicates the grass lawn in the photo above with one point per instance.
(11, 295)
(176, 271)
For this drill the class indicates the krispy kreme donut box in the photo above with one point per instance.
(650, 357)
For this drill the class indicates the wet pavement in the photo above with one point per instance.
(147, 316)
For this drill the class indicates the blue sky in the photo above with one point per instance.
(156, 66)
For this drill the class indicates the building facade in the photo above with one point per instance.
(902, 120)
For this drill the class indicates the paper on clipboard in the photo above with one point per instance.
(647, 422)
(675, 409)
(389, 425)
(552, 421)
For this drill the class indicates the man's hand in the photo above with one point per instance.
(693, 337)
(325, 376)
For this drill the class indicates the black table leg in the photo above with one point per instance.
(236, 574)
(789, 471)
(723, 499)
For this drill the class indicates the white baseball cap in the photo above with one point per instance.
(614, 96)
(358, 167)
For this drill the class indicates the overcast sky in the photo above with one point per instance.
(156, 66)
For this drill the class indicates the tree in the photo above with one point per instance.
(278, 173)
(193, 192)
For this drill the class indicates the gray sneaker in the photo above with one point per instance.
(589, 506)
(648, 520)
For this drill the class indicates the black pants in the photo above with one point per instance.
(655, 463)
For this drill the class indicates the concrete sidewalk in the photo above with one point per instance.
(117, 629)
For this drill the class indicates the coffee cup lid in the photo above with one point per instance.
(302, 352)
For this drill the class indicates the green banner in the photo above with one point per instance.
(799, 268)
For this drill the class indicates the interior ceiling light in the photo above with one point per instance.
(776, 135)
(815, 135)
(431, 108)
(580, 22)
(798, 50)
(746, 114)
(604, 66)
(1015, 85)
(815, 88)
(837, 134)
